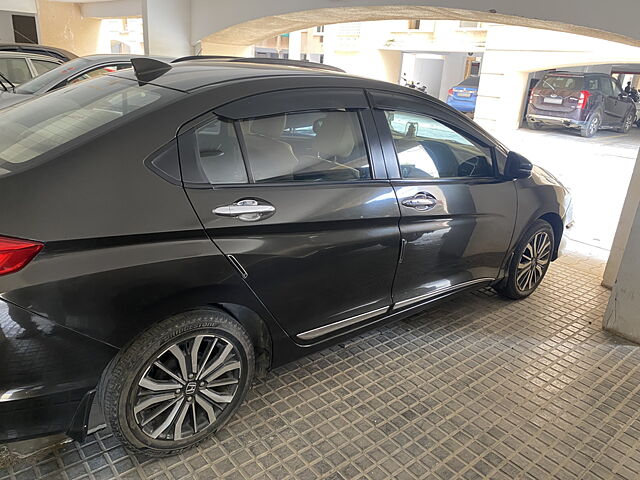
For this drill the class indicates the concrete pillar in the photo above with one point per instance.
(208, 48)
(295, 45)
(622, 316)
(167, 27)
(622, 236)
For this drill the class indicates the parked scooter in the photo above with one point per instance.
(413, 84)
(635, 96)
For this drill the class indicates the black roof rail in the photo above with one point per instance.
(203, 57)
(261, 60)
(289, 62)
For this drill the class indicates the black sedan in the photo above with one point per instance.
(170, 231)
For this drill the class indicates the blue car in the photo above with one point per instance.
(463, 96)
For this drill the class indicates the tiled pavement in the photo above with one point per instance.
(477, 387)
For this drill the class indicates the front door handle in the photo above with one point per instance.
(421, 201)
(247, 210)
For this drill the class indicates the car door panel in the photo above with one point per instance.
(464, 236)
(325, 255)
(462, 239)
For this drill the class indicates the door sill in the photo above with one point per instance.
(438, 292)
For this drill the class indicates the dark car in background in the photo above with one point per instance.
(68, 73)
(170, 231)
(34, 48)
(17, 68)
(585, 101)
(463, 96)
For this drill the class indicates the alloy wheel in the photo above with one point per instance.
(186, 387)
(628, 121)
(593, 126)
(533, 262)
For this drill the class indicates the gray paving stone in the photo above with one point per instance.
(477, 387)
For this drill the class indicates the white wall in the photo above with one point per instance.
(166, 27)
(428, 71)
(6, 27)
(452, 73)
(9, 8)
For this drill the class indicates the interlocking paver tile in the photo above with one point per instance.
(477, 387)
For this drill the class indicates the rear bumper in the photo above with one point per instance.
(557, 121)
(47, 376)
(461, 106)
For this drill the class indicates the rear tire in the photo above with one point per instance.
(591, 127)
(529, 263)
(177, 383)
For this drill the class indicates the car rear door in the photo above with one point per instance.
(457, 214)
(612, 117)
(291, 186)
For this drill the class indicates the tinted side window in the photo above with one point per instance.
(607, 89)
(592, 83)
(219, 152)
(616, 87)
(428, 149)
(15, 69)
(306, 147)
(43, 66)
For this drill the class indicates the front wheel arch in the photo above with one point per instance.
(558, 229)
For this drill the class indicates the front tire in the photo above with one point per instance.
(627, 123)
(178, 382)
(530, 261)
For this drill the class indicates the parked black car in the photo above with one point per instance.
(54, 52)
(167, 232)
(585, 101)
(81, 68)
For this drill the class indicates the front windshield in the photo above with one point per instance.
(36, 127)
(53, 77)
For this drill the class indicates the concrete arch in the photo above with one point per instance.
(245, 22)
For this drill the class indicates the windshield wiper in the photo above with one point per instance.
(13, 87)
(552, 88)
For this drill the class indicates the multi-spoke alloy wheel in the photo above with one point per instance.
(186, 387)
(178, 382)
(533, 262)
(530, 261)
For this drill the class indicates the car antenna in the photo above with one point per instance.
(148, 69)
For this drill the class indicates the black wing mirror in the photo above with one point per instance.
(517, 166)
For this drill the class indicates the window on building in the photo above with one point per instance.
(465, 24)
(320, 29)
(428, 149)
(414, 24)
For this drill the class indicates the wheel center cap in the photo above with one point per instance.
(190, 388)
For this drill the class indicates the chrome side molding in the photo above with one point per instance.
(318, 332)
(439, 291)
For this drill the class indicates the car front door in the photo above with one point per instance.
(457, 214)
(611, 116)
(622, 102)
(299, 202)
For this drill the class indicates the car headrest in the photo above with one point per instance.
(334, 137)
(269, 126)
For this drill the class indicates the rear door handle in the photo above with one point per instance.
(421, 201)
(247, 210)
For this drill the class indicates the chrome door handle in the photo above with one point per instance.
(247, 209)
(421, 201)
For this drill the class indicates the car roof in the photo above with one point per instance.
(35, 56)
(19, 47)
(194, 74)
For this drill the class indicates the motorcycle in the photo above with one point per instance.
(413, 84)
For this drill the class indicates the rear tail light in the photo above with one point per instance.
(451, 91)
(531, 95)
(584, 97)
(15, 254)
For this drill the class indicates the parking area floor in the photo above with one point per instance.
(597, 171)
(476, 387)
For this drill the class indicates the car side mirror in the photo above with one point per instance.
(517, 166)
